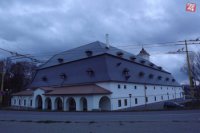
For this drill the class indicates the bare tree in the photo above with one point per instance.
(195, 67)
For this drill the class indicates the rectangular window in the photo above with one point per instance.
(146, 99)
(125, 102)
(145, 87)
(31, 103)
(161, 87)
(136, 101)
(161, 97)
(155, 98)
(124, 86)
(119, 86)
(135, 87)
(119, 103)
(154, 87)
(24, 102)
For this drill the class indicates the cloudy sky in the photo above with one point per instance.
(45, 27)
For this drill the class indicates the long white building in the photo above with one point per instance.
(97, 77)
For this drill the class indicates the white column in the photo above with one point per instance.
(65, 106)
(53, 103)
(43, 103)
(77, 99)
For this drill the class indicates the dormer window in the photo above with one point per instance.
(90, 72)
(159, 77)
(88, 52)
(126, 71)
(150, 76)
(44, 78)
(151, 64)
(133, 58)
(118, 64)
(160, 68)
(120, 54)
(63, 76)
(60, 60)
(141, 74)
(142, 61)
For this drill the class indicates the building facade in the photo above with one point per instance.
(97, 77)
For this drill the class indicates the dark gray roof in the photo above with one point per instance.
(97, 48)
(95, 63)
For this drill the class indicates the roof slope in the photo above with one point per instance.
(23, 93)
(97, 48)
(94, 63)
(79, 90)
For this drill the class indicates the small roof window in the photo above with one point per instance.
(159, 77)
(151, 64)
(90, 72)
(160, 68)
(120, 54)
(132, 58)
(88, 52)
(63, 76)
(60, 60)
(141, 74)
(44, 78)
(151, 76)
(142, 61)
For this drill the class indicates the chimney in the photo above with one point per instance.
(107, 41)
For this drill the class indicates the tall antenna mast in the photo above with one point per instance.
(107, 41)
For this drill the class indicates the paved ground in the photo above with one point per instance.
(100, 122)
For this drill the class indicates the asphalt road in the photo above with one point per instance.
(100, 122)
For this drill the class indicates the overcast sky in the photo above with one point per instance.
(45, 27)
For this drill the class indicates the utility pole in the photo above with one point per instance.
(2, 80)
(189, 71)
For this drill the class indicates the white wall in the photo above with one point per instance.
(139, 93)
(117, 94)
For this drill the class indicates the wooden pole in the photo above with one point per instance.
(189, 71)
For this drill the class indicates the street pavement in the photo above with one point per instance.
(185, 121)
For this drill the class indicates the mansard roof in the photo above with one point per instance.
(88, 50)
(94, 62)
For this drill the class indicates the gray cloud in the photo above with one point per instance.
(45, 27)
